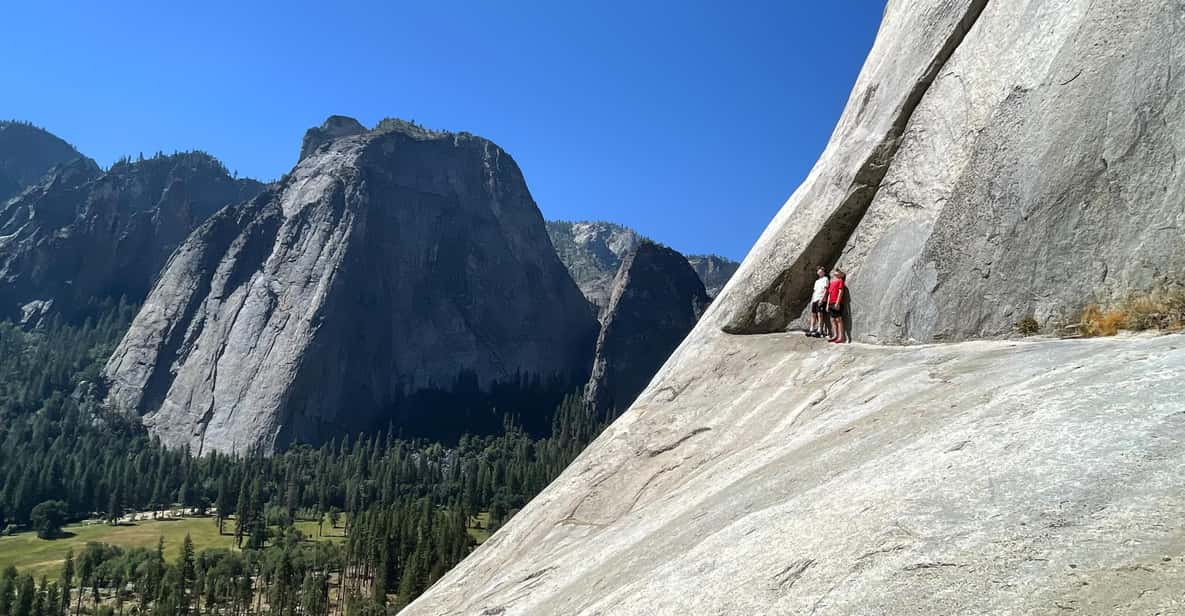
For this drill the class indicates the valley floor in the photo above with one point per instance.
(31, 554)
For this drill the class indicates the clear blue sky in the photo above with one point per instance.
(689, 121)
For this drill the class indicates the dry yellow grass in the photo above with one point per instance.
(1163, 310)
(1098, 322)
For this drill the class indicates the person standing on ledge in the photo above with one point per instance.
(836, 296)
(819, 324)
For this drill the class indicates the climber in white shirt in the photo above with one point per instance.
(819, 326)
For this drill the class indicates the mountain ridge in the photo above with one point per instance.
(27, 153)
(386, 266)
(83, 233)
(594, 250)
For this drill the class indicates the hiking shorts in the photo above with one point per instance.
(819, 307)
(836, 311)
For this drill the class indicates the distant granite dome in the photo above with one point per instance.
(395, 276)
(714, 270)
(333, 127)
(27, 153)
(656, 300)
(82, 235)
(593, 251)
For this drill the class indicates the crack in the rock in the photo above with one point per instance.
(787, 577)
(668, 447)
(791, 290)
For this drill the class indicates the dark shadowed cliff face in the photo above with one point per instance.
(26, 154)
(391, 274)
(82, 235)
(657, 298)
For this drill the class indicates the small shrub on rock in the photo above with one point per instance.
(1096, 321)
(1161, 310)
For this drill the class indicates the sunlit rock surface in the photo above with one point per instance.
(387, 263)
(996, 159)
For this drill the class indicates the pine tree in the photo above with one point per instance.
(38, 607)
(242, 515)
(114, 507)
(222, 505)
(7, 590)
(24, 597)
(67, 580)
(85, 570)
(188, 574)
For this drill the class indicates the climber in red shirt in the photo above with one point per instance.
(836, 296)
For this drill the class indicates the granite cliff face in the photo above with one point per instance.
(82, 235)
(594, 251)
(715, 271)
(333, 127)
(657, 298)
(1023, 163)
(27, 153)
(994, 159)
(389, 271)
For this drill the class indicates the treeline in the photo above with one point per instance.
(123, 162)
(406, 505)
(289, 578)
(56, 357)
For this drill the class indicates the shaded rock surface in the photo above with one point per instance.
(772, 286)
(82, 235)
(776, 474)
(1034, 181)
(1004, 160)
(27, 153)
(657, 298)
(388, 264)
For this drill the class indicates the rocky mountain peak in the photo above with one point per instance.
(26, 154)
(396, 275)
(82, 235)
(656, 300)
(334, 127)
(594, 250)
(714, 270)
